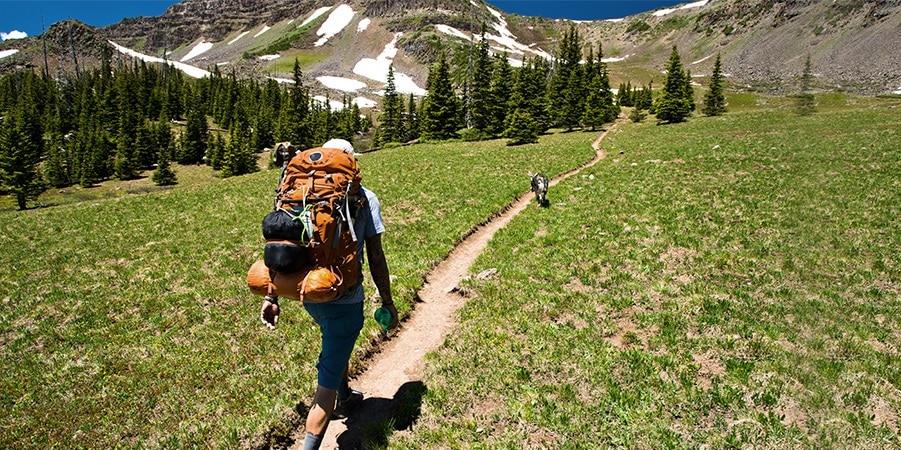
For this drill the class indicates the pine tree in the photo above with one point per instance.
(566, 91)
(600, 107)
(294, 119)
(164, 175)
(501, 89)
(19, 157)
(805, 102)
(689, 92)
(238, 158)
(391, 116)
(441, 107)
(196, 136)
(672, 106)
(480, 101)
(412, 120)
(521, 128)
(714, 99)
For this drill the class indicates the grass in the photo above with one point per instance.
(126, 322)
(729, 282)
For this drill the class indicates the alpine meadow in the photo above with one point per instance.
(714, 260)
(728, 281)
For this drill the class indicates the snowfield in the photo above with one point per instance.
(666, 11)
(336, 22)
(10, 52)
(377, 70)
(198, 50)
(341, 84)
(239, 37)
(188, 69)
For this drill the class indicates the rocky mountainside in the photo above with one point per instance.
(345, 47)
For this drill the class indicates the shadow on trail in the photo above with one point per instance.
(373, 422)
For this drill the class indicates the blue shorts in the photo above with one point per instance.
(340, 326)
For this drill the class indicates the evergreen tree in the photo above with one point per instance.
(600, 107)
(216, 151)
(196, 137)
(644, 98)
(480, 96)
(805, 102)
(535, 92)
(566, 91)
(164, 175)
(714, 99)
(412, 120)
(521, 128)
(689, 92)
(441, 107)
(501, 89)
(294, 120)
(19, 157)
(672, 106)
(392, 112)
(238, 158)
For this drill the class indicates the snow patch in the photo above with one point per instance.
(336, 105)
(198, 50)
(282, 80)
(452, 31)
(188, 69)
(364, 102)
(614, 20)
(10, 52)
(337, 20)
(265, 29)
(664, 12)
(239, 37)
(269, 57)
(363, 25)
(341, 84)
(377, 69)
(315, 15)
(621, 58)
(702, 60)
(898, 92)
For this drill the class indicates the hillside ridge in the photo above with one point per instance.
(852, 43)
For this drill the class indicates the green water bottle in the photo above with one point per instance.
(383, 317)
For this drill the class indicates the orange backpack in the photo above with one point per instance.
(311, 247)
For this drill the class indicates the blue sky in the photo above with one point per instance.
(25, 15)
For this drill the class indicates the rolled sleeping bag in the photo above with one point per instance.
(315, 285)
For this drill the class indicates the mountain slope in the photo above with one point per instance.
(763, 43)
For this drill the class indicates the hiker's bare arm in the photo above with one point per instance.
(269, 312)
(378, 267)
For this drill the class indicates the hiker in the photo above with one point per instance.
(341, 320)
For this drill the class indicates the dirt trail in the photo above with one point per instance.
(393, 375)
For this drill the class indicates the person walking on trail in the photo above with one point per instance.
(341, 320)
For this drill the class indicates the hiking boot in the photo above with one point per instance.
(346, 406)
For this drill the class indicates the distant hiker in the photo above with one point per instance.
(283, 153)
(340, 319)
(539, 187)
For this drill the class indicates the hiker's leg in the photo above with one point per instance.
(321, 411)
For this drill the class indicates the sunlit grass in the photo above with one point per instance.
(126, 321)
(730, 282)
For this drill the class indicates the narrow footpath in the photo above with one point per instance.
(394, 372)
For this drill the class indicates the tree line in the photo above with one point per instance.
(118, 120)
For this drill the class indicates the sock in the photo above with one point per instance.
(343, 390)
(311, 441)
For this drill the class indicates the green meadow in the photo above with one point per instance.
(125, 321)
(729, 282)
